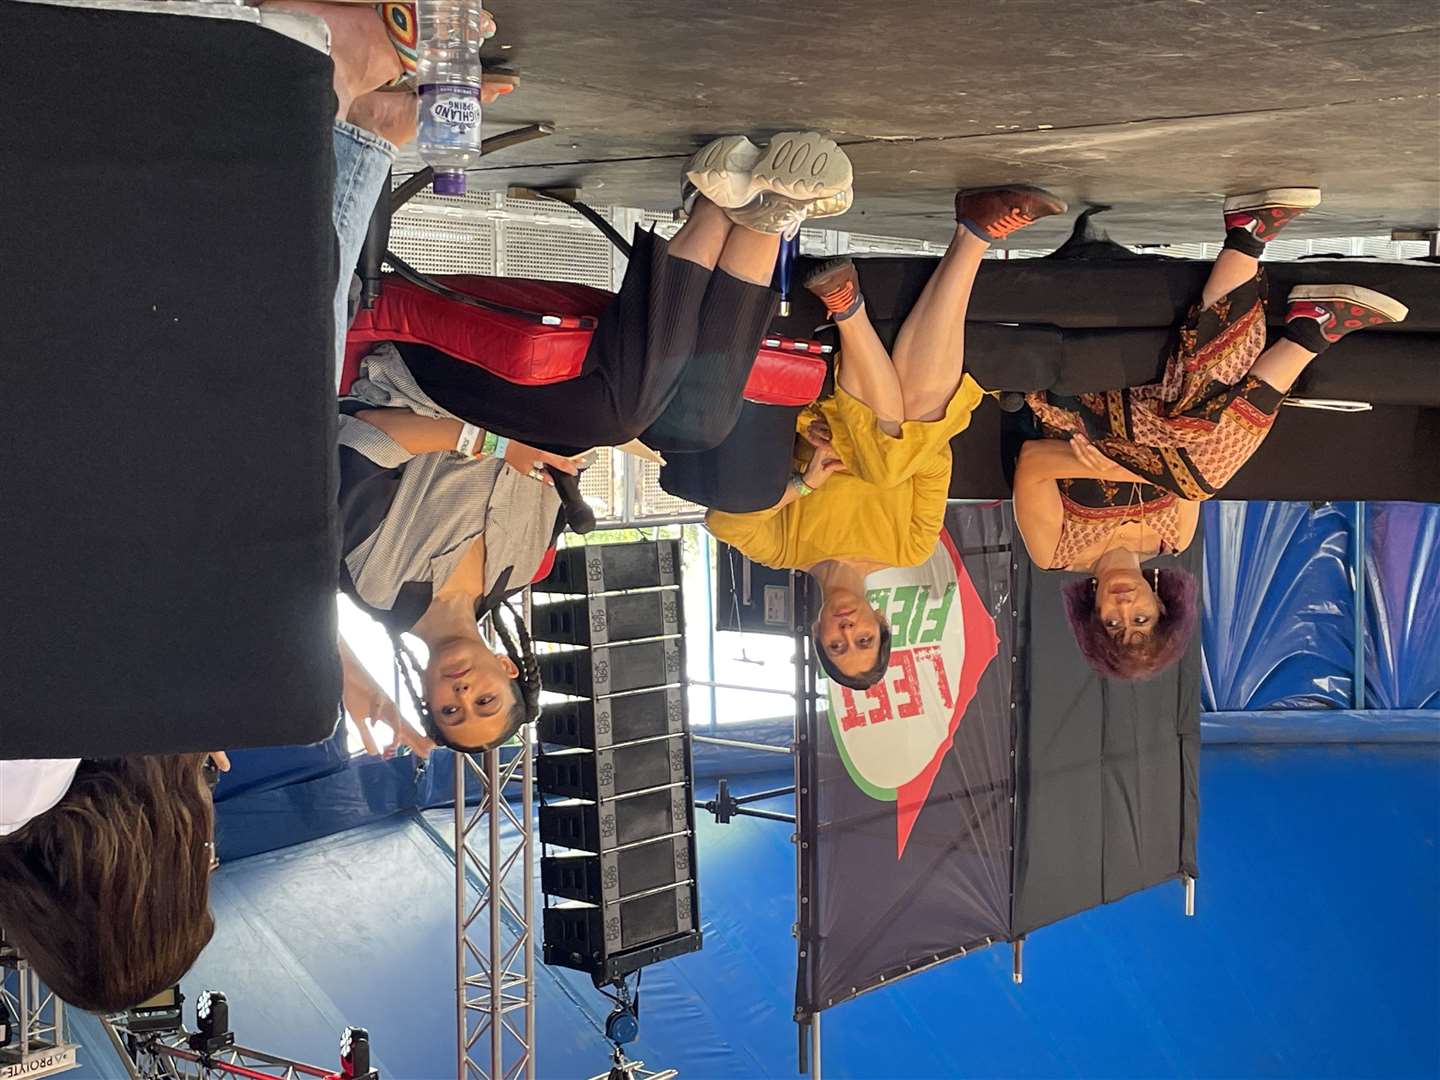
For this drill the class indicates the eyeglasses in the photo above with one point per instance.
(211, 772)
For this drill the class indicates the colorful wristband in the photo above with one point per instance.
(798, 482)
(487, 448)
(501, 445)
(469, 436)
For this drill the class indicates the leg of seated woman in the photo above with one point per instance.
(750, 255)
(930, 351)
(1281, 364)
(702, 238)
(866, 371)
(733, 319)
(1231, 270)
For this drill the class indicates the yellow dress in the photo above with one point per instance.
(887, 507)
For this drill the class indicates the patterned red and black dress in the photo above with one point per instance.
(1187, 434)
(1093, 509)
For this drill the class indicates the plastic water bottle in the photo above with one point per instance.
(448, 75)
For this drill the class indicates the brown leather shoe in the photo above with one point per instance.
(837, 284)
(998, 212)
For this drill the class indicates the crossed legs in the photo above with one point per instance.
(710, 239)
(918, 382)
(1279, 365)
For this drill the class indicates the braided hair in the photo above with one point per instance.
(526, 685)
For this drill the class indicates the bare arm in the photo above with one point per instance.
(1189, 519)
(1038, 510)
(417, 434)
(1076, 459)
(367, 704)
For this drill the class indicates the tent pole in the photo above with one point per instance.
(461, 1035)
(527, 812)
(1189, 895)
(1357, 558)
(496, 883)
(815, 1047)
(1017, 968)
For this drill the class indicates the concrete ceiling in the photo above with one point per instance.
(1154, 106)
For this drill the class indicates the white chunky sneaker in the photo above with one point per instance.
(771, 213)
(804, 165)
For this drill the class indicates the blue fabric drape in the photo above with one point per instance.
(1402, 626)
(1278, 625)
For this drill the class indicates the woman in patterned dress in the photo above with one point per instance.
(1120, 475)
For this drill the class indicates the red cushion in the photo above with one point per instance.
(786, 372)
(510, 346)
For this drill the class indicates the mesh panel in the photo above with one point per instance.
(471, 201)
(890, 245)
(654, 501)
(597, 485)
(547, 208)
(439, 250)
(1287, 250)
(557, 254)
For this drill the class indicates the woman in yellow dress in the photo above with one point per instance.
(872, 495)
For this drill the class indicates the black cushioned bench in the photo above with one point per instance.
(168, 528)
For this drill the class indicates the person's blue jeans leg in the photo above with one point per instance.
(362, 162)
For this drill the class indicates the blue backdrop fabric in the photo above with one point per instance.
(1402, 627)
(1272, 978)
(1278, 630)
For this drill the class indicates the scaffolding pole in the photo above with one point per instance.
(495, 936)
(39, 1044)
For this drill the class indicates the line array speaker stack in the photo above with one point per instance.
(614, 770)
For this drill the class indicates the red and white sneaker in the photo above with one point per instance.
(1260, 215)
(1320, 315)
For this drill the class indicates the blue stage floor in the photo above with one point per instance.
(1313, 952)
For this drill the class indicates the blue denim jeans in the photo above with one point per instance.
(362, 161)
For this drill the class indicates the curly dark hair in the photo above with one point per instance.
(1179, 596)
(107, 894)
(525, 687)
(866, 678)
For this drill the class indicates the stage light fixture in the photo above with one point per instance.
(212, 1023)
(355, 1055)
(161, 1013)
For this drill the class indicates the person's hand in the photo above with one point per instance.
(220, 760)
(1085, 453)
(823, 465)
(818, 433)
(1097, 464)
(369, 705)
(494, 87)
(532, 462)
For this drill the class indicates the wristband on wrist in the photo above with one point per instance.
(469, 436)
(801, 488)
(501, 445)
(487, 447)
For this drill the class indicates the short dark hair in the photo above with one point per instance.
(1179, 595)
(866, 678)
(107, 894)
(525, 687)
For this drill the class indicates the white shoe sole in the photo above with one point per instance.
(803, 165)
(1388, 306)
(1300, 197)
